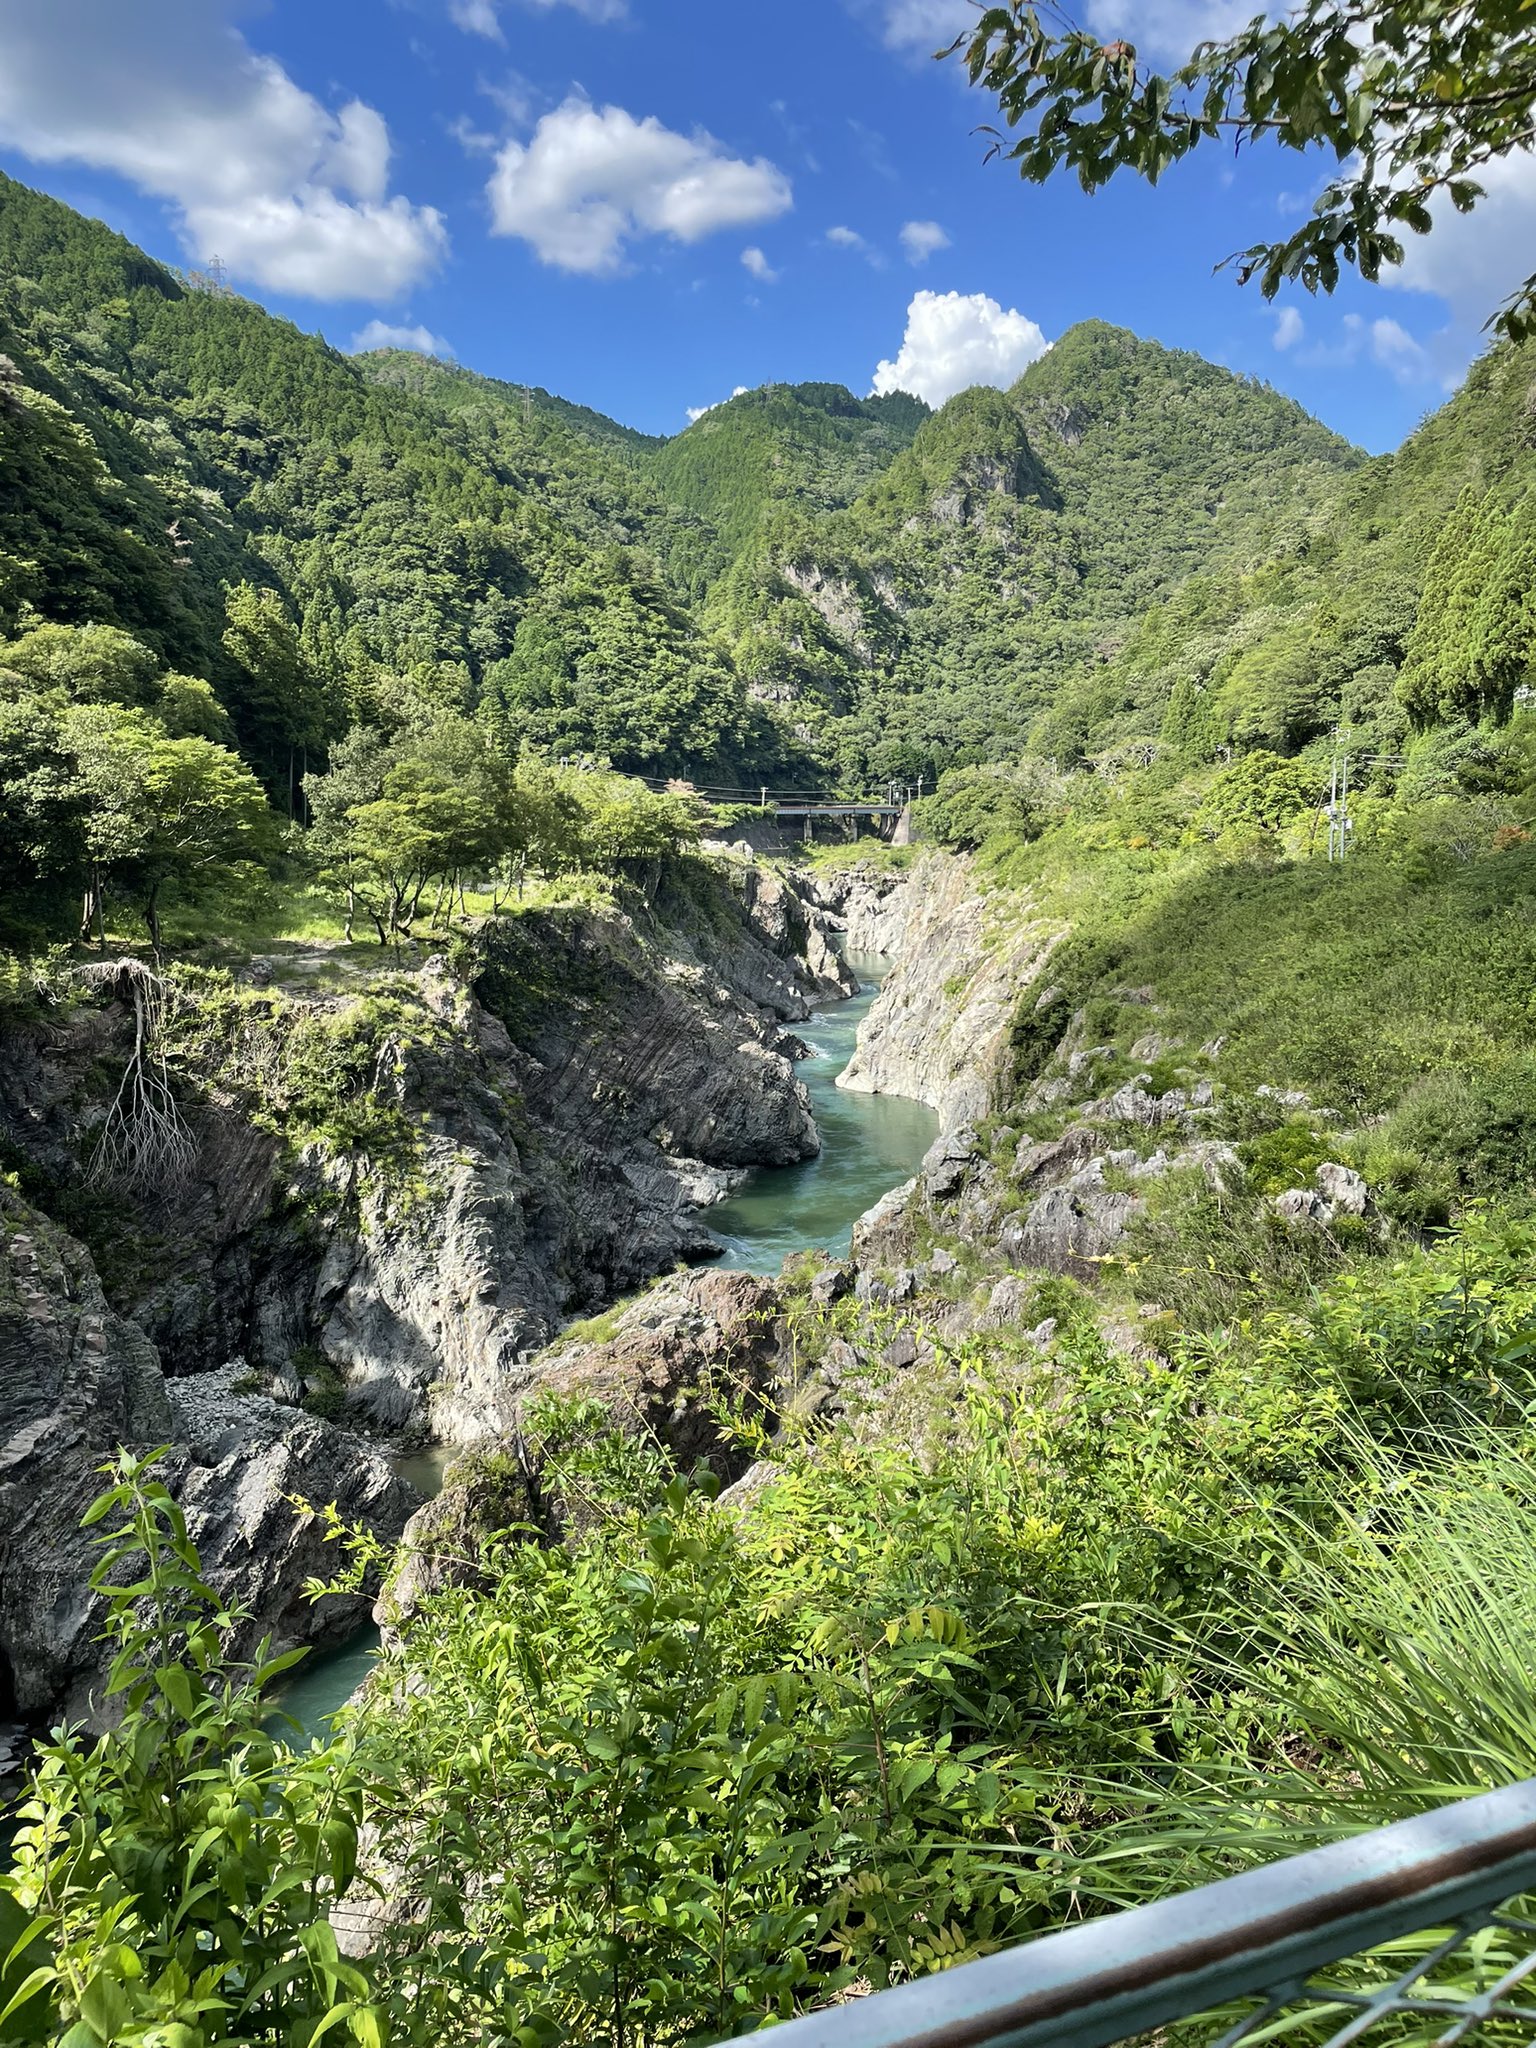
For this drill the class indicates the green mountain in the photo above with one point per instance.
(813, 446)
(1013, 541)
(1325, 627)
(163, 446)
(1130, 549)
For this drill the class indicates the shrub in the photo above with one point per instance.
(176, 1875)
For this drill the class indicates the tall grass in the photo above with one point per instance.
(1379, 1663)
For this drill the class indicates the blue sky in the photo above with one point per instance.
(645, 204)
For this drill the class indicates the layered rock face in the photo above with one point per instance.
(939, 1030)
(868, 905)
(561, 1109)
(81, 1382)
(574, 1097)
(591, 1110)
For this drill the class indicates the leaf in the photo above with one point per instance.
(368, 2027)
(31, 1988)
(176, 1685)
(104, 2006)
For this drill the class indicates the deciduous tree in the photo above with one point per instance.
(1412, 99)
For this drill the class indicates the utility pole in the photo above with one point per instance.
(1341, 825)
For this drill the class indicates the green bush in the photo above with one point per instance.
(1286, 1157)
(691, 1769)
(974, 806)
(176, 1875)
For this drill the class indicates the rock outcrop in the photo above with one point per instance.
(869, 905)
(78, 1382)
(656, 1369)
(567, 1103)
(939, 1030)
(489, 1149)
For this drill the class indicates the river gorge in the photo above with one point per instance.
(504, 1144)
(869, 1144)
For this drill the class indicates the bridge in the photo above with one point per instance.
(889, 807)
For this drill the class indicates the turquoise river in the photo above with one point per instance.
(869, 1144)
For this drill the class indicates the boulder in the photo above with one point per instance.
(947, 1162)
(655, 1372)
(1067, 1231)
(1342, 1189)
(831, 1283)
(882, 1233)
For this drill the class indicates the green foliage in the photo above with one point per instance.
(974, 805)
(1285, 1157)
(174, 1877)
(156, 809)
(1474, 641)
(1261, 793)
(813, 443)
(90, 664)
(690, 1770)
(389, 821)
(332, 1077)
(1413, 102)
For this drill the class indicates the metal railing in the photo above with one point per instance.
(1263, 1936)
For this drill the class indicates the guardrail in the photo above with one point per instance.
(1262, 1936)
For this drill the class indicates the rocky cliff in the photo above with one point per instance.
(399, 1186)
(411, 1178)
(82, 1382)
(867, 904)
(939, 1031)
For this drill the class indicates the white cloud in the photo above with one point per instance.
(591, 179)
(850, 238)
(922, 239)
(380, 334)
(1383, 342)
(1395, 349)
(476, 18)
(952, 342)
(846, 238)
(1475, 260)
(759, 266)
(1163, 30)
(924, 26)
(481, 17)
(168, 94)
(1289, 327)
(472, 140)
(697, 412)
(1167, 30)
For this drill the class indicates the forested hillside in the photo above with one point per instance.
(219, 534)
(910, 590)
(1022, 531)
(171, 452)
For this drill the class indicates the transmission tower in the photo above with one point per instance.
(218, 277)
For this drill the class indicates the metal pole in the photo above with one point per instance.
(1259, 1935)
